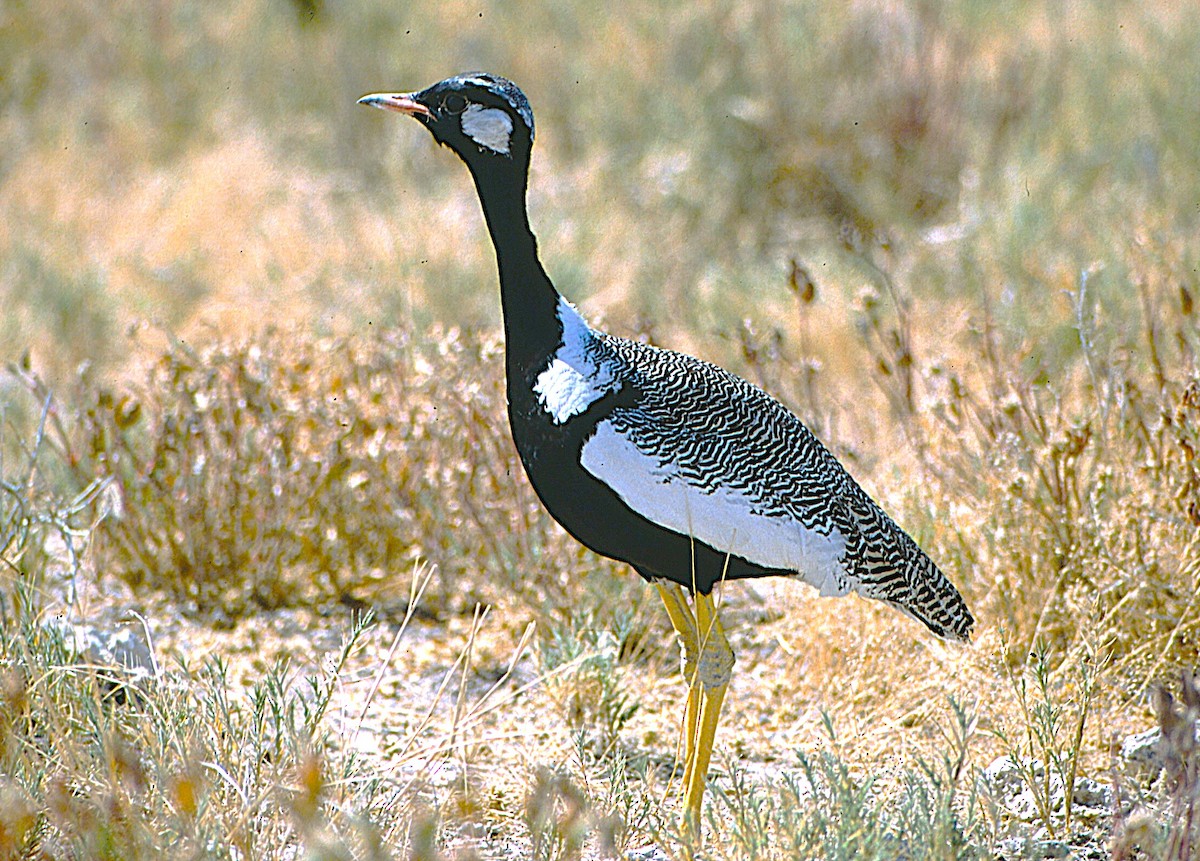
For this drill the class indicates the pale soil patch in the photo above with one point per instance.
(461, 715)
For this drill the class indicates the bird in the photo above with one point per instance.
(679, 468)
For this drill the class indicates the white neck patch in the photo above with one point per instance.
(574, 379)
(491, 128)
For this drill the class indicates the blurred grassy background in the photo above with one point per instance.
(205, 166)
(962, 239)
(990, 208)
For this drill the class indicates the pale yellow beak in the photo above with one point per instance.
(402, 103)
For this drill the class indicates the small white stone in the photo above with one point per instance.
(1142, 749)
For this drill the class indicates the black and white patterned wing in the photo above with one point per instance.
(706, 454)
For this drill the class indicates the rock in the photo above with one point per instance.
(1009, 782)
(1004, 775)
(1142, 750)
(122, 654)
(647, 853)
(1092, 793)
(1031, 849)
(1009, 779)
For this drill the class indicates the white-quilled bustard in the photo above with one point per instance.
(673, 465)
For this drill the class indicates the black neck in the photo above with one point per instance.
(528, 297)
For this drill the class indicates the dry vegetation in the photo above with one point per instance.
(254, 396)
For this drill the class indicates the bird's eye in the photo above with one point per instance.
(454, 104)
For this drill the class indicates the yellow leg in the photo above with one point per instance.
(714, 668)
(707, 666)
(691, 724)
(684, 623)
(681, 618)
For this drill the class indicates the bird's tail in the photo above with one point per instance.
(891, 567)
(934, 602)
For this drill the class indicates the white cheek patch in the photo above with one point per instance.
(491, 128)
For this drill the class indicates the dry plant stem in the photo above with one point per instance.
(427, 717)
(895, 364)
(1088, 673)
(460, 705)
(1087, 347)
(518, 651)
(417, 587)
(804, 293)
(1151, 333)
(1186, 620)
(466, 717)
(1040, 798)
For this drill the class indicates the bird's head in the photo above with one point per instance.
(484, 118)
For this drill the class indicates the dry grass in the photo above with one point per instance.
(990, 235)
(281, 473)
